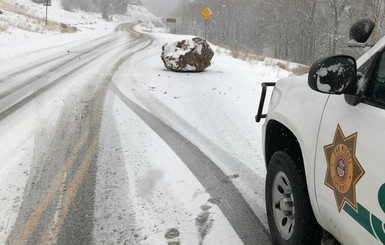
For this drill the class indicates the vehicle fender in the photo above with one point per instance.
(299, 109)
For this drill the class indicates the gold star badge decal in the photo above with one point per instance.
(344, 170)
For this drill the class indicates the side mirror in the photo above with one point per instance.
(361, 30)
(334, 75)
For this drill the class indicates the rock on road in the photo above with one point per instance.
(76, 187)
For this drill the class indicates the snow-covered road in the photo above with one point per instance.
(102, 145)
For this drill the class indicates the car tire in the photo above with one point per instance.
(290, 217)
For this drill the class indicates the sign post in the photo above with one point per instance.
(207, 14)
(46, 4)
(171, 20)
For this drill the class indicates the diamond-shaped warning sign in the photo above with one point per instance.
(207, 13)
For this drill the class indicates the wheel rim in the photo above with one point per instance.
(283, 205)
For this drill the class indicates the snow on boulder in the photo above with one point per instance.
(191, 55)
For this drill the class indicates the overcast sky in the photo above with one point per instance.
(160, 8)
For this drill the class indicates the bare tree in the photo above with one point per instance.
(374, 10)
(295, 30)
(337, 9)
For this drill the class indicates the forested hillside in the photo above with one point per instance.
(295, 30)
(105, 7)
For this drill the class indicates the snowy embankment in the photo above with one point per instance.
(23, 30)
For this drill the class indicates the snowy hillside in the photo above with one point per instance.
(22, 25)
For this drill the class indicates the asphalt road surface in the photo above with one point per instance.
(59, 200)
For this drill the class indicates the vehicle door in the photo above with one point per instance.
(350, 162)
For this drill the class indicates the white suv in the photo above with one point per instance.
(324, 146)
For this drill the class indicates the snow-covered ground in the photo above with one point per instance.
(217, 106)
(214, 110)
(22, 36)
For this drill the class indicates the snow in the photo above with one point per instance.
(174, 52)
(15, 41)
(167, 195)
(219, 103)
(362, 81)
(324, 71)
(214, 110)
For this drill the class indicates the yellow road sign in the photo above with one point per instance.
(207, 13)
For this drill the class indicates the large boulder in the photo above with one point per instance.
(191, 55)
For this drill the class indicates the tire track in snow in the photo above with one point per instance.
(27, 84)
(44, 73)
(29, 98)
(64, 46)
(114, 222)
(249, 183)
(56, 57)
(235, 208)
(86, 61)
(65, 215)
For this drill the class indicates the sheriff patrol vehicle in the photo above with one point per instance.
(324, 146)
